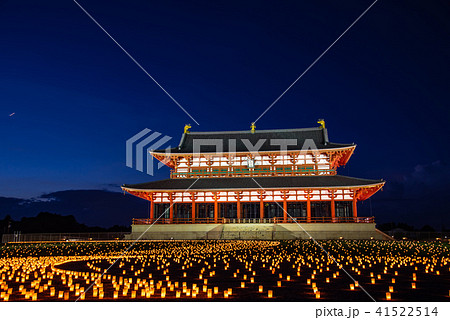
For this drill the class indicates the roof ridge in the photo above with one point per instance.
(258, 131)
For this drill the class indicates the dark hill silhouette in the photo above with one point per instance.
(90, 207)
(46, 222)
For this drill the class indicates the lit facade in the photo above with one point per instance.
(255, 176)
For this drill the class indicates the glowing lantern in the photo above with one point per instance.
(269, 294)
(413, 285)
(388, 296)
(352, 286)
(242, 284)
(178, 294)
(318, 295)
(391, 289)
(260, 289)
(288, 278)
(216, 290)
(278, 283)
(209, 293)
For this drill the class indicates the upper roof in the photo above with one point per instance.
(325, 181)
(260, 140)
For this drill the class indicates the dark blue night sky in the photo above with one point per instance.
(76, 97)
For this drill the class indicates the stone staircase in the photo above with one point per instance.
(251, 231)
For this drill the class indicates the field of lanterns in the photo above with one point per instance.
(298, 270)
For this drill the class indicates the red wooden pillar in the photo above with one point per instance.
(152, 207)
(238, 196)
(308, 208)
(333, 207)
(193, 209)
(261, 197)
(284, 210)
(239, 207)
(355, 209)
(193, 197)
(171, 208)
(215, 207)
(261, 208)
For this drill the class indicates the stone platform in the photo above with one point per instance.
(257, 231)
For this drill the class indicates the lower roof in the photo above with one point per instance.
(333, 181)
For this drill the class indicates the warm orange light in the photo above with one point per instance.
(372, 280)
(352, 286)
(413, 285)
(278, 283)
(269, 294)
(209, 293)
(318, 295)
(216, 290)
(391, 289)
(388, 296)
(242, 284)
(260, 288)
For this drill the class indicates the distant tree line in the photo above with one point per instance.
(390, 226)
(46, 222)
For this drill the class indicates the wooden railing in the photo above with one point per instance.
(257, 220)
(245, 172)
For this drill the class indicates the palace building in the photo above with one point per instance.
(256, 183)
